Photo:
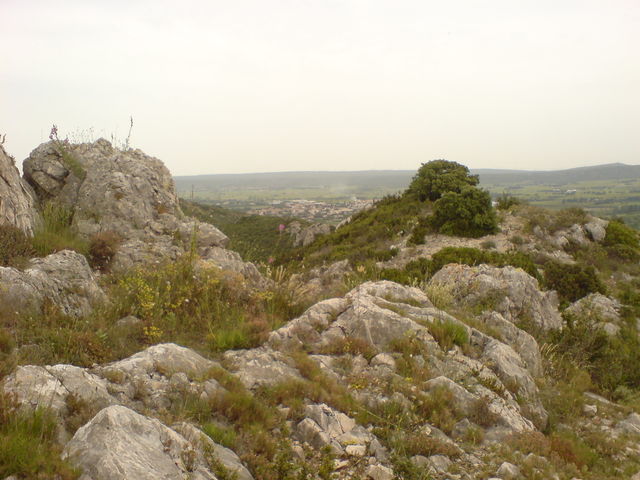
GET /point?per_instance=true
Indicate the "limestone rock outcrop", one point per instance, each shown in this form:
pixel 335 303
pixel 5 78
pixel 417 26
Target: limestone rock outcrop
pixel 17 199
pixel 303 236
pixel 64 279
pixel 120 444
pixel 129 193
pixel 509 291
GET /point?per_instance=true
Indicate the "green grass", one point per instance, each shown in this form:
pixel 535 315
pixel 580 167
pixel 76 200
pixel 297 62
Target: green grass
pixel 28 447
pixel 368 236
pixel 56 233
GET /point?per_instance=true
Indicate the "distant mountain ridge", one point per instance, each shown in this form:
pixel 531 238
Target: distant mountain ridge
pixel 609 171
pixel 400 178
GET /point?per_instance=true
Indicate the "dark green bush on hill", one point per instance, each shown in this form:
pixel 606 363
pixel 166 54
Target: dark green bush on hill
pixel 572 282
pixel 620 234
pixel 622 242
pixel 466 214
pixel 438 177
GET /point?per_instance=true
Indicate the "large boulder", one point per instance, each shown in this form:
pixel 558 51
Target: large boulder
pixel 120 444
pixel 64 279
pixel 17 200
pixel 108 188
pixel 508 290
pixel 131 194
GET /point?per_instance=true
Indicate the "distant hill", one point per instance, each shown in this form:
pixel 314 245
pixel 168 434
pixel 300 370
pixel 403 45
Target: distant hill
pixel 394 179
pixel 610 171
pixel 605 190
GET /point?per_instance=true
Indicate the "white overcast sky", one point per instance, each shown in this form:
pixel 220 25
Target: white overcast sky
pixel 262 85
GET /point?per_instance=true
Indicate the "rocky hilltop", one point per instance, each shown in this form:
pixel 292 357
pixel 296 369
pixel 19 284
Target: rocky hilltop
pixel 134 345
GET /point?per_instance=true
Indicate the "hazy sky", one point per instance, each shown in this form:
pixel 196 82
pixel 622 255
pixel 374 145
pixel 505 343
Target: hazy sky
pixel 262 85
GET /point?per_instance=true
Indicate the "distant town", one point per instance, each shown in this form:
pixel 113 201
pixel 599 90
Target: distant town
pixel 312 210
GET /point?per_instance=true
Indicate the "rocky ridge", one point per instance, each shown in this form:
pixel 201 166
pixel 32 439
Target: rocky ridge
pixel 385 381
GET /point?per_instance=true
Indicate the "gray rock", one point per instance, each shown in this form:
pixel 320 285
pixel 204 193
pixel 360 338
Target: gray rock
pixel 590 410
pixel 384 359
pixel 522 342
pixel 306 235
pixel 507 364
pixel 225 456
pixel 596 228
pixel 507 290
pixel 52 387
pixel 611 329
pixel 379 472
pixel 261 366
pixel 131 194
pixel 630 425
pixel 63 278
pixel 508 471
pixel 166 359
pixel 120 444
pixel 230 260
pixel 17 199
pixel 596 307
pixel 310 432
pixel 439 463
pixel 306 329
pixel 128 322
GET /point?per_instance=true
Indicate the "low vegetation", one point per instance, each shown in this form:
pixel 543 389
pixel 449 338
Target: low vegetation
pixel 28 446
pixel 257 238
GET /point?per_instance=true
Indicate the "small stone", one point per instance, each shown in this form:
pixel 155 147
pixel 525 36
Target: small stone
pixel 298 451
pixel 356 450
pixel 508 471
pixel 128 322
pixel 590 410
pixel 611 329
pixel 379 472
pixel 384 359
pixel 179 381
pixel 440 463
pixel 420 461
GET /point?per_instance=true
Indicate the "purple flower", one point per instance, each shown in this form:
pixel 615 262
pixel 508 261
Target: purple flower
pixel 281 227
pixel 53 135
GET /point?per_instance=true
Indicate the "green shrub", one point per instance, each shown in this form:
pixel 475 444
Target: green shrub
pixel 56 232
pixel 15 246
pixel 572 281
pixel 618 233
pixel 611 361
pixel 224 436
pixel 622 242
pixel 438 177
pixel 420 231
pixel 466 214
pixel 448 333
pixel 506 201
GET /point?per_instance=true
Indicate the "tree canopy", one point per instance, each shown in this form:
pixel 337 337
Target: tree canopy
pixel 438 177
pixel 467 213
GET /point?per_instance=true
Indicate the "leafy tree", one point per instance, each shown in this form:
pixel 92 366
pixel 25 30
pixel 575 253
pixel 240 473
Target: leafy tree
pixel 468 213
pixel 438 177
